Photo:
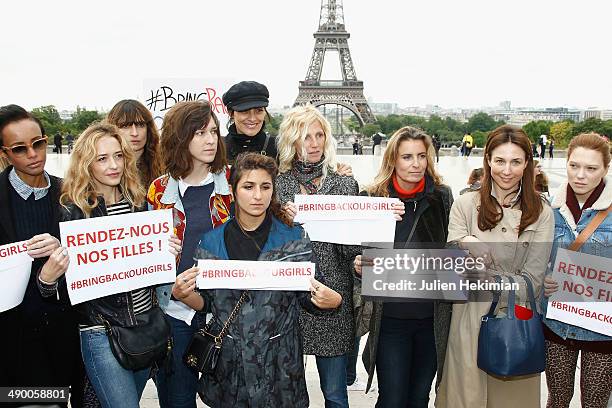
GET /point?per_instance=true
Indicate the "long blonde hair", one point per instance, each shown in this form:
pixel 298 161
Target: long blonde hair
pixel 295 127
pixel 79 188
pixel 380 186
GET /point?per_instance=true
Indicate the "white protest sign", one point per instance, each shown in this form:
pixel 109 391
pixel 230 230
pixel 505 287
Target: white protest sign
pixel 254 275
pixel 116 254
pixel 584 297
pixel 14 254
pixel 160 94
pixel 341 207
pixel 14 284
pixel 348 220
pixel 15 269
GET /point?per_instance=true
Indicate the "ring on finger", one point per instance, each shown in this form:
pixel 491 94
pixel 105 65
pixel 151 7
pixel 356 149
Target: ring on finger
pixel 65 252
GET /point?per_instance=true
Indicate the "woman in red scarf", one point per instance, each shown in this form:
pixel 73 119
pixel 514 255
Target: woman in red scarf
pixel 407 341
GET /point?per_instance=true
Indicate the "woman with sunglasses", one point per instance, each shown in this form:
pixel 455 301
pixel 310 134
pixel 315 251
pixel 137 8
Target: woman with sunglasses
pixel 39 345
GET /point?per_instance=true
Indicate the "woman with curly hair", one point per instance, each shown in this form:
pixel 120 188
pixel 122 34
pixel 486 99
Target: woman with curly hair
pixel 102 180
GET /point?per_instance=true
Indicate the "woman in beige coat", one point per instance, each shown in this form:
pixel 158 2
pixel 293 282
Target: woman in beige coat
pixel 511 227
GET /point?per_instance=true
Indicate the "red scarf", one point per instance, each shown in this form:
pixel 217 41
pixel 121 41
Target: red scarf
pixel 404 194
pixel 572 201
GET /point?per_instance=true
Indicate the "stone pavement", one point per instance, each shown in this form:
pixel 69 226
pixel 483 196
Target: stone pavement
pixel 455 171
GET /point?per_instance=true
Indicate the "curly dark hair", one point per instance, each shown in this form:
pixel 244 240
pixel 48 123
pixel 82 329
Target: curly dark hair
pixel 255 161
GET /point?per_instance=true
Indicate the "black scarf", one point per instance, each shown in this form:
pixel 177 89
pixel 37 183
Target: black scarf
pixel 238 143
pixel 306 172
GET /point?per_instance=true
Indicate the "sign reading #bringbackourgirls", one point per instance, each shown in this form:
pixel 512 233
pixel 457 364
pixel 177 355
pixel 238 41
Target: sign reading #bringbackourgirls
pixel 15 268
pixel 160 94
pixel 348 220
pixel 584 297
pixel 116 254
pixel 254 275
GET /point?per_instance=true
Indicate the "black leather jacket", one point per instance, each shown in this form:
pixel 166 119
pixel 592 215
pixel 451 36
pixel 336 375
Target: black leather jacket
pixel 117 309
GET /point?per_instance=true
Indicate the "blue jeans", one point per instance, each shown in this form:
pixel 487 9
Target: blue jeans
pixel 405 362
pixel 351 365
pixel 177 388
pixel 332 375
pixel 114 385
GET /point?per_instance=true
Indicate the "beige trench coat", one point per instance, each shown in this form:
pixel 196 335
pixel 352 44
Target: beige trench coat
pixel 463 384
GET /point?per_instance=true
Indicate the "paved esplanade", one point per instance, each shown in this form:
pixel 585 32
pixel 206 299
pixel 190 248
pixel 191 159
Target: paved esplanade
pixel 455 171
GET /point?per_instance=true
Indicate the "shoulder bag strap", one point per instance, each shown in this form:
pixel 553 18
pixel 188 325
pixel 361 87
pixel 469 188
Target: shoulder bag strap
pixel 230 319
pixel 265 146
pixel 589 229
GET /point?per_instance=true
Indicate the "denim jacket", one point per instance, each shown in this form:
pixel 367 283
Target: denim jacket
pixel 164 194
pixel 599 243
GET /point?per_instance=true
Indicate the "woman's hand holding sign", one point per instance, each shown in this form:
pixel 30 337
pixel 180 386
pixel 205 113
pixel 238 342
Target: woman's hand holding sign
pixel 550 286
pixel 42 245
pixel 360 262
pixel 55 267
pixel 175 245
pixel 322 296
pixel 184 289
pixel 398 210
pixel 290 209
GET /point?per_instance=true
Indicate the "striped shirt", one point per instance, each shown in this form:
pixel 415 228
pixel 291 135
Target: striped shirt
pixel 141 298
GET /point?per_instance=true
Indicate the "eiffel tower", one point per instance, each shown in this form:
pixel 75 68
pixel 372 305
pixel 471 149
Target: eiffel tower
pixel 332 36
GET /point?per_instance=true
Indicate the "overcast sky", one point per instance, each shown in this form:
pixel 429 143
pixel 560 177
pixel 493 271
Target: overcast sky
pixel 453 53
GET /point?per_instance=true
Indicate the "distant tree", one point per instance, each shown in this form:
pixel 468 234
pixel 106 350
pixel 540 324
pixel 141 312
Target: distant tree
pixel 81 119
pixel 50 119
pixel 352 124
pixel 594 125
pixel 536 128
pixel 480 138
pixel 483 122
pixel 273 124
pixel 562 133
pixel 370 128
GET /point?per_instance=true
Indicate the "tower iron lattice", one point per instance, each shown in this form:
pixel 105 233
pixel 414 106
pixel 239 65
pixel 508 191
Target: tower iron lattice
pixel 348 92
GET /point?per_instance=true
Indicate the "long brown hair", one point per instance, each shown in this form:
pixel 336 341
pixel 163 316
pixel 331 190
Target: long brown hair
pixel 129 111
pixel 180 124
pixel 380 186
pixel 255 161
pixel 491 212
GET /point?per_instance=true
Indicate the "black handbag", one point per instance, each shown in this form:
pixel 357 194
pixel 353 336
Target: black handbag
pixel 204 348
pixel 143 345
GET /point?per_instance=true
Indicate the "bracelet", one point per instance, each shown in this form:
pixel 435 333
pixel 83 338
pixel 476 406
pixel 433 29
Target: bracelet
pixel 46 283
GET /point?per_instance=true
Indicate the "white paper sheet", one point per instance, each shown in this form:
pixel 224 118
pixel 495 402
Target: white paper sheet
pixel 13 284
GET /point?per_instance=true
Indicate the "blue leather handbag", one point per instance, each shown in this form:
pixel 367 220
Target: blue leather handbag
pixel 508 346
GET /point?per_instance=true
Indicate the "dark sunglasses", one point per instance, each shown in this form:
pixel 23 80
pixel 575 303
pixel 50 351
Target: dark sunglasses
pixel 22 149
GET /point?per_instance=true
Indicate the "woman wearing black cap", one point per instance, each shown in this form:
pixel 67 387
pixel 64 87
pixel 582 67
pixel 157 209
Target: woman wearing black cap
pixel 246 103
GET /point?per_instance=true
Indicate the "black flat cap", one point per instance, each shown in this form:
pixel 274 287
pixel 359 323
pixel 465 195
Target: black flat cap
pixel 246 95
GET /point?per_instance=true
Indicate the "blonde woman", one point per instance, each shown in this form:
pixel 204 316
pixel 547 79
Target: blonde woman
pixel 407 341
pixel 307 159
pixel 102 180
